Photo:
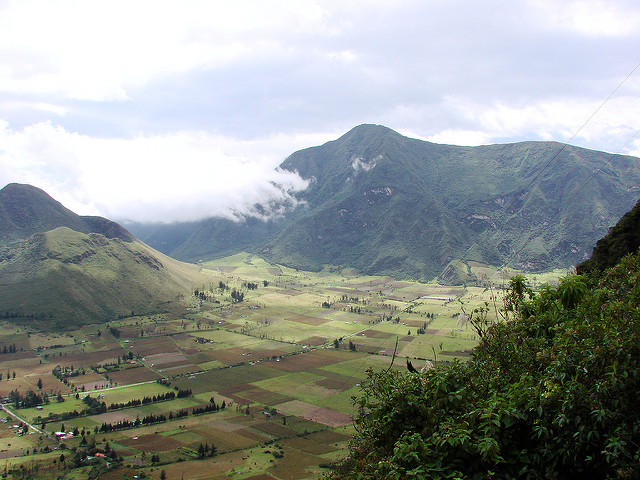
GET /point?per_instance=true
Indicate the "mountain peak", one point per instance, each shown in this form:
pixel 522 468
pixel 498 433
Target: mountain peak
pixel 25 210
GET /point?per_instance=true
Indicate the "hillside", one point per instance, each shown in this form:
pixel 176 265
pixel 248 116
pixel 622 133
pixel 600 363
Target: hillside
pixel 387 204
pixel 25 210
pixel 550 391
pixel 62 277
pixel 622 239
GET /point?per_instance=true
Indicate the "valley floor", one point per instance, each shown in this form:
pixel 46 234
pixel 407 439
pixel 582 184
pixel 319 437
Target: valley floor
pixel 253 379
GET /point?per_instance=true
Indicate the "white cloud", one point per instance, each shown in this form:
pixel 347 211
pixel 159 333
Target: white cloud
pixel 590 17
pixel 112 106
pixel 183 176
pixel 95 51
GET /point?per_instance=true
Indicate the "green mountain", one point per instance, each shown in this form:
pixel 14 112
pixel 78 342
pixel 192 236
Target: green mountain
pixel 387 204
pixel 64 270
pixel 25 210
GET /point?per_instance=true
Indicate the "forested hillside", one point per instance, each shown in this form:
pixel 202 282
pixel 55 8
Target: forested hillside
pixel 387 204
pixel 550 392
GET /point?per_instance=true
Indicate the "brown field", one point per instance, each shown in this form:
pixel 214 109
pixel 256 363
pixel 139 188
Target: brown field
pixel 133 375
pixel 262 396
pixel 314 341
pixel 371 333
pixel 294 465
pixel 205 469
pixel 146 346
pixel 303 362
pixel 333 384
pixel 322 415
pixel 152 443
pixel 328 436
pixel 457 353
pixel 20 340
pixel 115 417
pixel 226 440
pixel 85 360
pixel 180 369
pixel 88 377
pixel 274 427
pixel 232 355
pixel 290 292
pixel 308 446
pixel 223 378
pixel 307 320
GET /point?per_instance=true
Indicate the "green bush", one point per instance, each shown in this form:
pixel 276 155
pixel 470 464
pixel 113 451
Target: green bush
pixel 552 391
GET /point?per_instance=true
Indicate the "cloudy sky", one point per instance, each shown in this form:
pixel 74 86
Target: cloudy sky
pixel 164 110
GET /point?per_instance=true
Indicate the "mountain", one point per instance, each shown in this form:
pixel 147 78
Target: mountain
pixel 64 270
pixel 387 204
pixel 25 210
pixel 622 239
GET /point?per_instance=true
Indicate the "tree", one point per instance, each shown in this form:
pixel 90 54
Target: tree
pixel 163 475
pixel 550 392
pixel 39 384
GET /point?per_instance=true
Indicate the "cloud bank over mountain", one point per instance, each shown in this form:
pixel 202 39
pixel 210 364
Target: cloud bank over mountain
pixel 114 107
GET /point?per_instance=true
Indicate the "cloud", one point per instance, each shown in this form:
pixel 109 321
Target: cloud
pixel 158 90
pixel 182 176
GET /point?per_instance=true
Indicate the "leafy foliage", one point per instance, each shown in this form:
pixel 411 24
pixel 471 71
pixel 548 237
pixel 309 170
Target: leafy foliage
pixel 551 392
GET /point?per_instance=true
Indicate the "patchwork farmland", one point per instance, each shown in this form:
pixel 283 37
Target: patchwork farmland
pixel 254 379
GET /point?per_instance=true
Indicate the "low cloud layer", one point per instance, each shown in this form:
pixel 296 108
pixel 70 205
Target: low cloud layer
pixel 154 110
pixel 183 176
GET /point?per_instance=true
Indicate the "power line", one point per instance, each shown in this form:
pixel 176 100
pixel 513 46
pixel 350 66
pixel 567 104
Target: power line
pixel 546 166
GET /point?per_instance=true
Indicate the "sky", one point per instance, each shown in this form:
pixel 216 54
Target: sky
pixel 173 111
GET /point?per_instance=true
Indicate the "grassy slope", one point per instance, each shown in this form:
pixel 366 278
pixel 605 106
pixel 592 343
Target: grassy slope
pixel 66 278
pixel 418 204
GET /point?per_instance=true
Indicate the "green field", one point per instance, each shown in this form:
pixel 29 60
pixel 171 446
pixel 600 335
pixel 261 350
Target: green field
pixel 270 359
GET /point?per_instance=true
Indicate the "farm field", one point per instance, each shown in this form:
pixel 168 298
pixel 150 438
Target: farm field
pixel 253 380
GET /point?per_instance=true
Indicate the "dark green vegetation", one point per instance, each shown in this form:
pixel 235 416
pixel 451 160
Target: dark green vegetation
pixel 387 204
pixel 622 239
pixel 551 391
pixel 64 270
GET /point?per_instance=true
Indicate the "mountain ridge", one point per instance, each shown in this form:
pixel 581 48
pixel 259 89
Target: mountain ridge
pixel 386 204
pixel 54 276
pixel 25 210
